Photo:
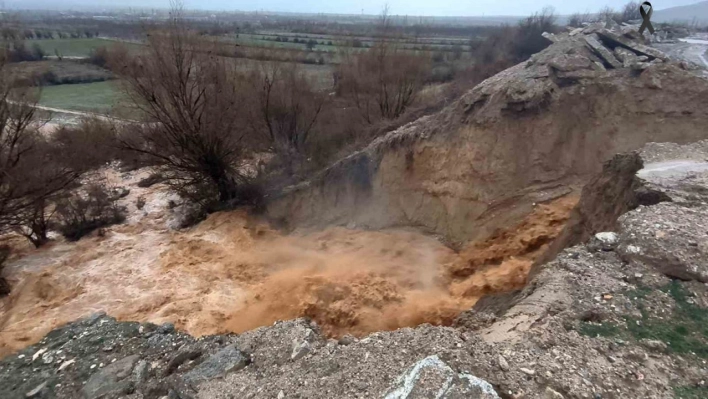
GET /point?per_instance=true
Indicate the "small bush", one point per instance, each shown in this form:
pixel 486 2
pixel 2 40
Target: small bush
pixel 92 144
pixel 91 208
pixel 99 56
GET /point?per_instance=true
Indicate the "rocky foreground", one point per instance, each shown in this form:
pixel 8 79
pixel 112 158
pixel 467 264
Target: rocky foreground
pixel 622 315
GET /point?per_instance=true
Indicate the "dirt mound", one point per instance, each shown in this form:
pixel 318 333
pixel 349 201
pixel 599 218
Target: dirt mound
pixel 529 134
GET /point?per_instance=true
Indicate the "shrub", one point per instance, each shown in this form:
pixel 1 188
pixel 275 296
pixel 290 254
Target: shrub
pixel 607 13
pixel 90 208
pixel 630 12
pixel 528 39
pixel 99 56
pixel 87 146
pixel 30 174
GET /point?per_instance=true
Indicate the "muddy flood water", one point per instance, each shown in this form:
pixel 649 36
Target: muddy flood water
pixel 232 273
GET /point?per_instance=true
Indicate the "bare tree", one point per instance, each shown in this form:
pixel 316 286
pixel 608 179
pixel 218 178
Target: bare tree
pixel 630 12
pixel 287 109
pixel 607 13
pixel 529 39
pixel 385 80
pixel 29 177
pixel 194 112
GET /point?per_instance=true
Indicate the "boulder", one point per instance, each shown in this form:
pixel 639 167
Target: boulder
pixel 661 236
pixel 433 378
pixel 572 62
pixel 627 57
pixel 602 51
pixel 227 360
pixel 616 40
pixel 112 381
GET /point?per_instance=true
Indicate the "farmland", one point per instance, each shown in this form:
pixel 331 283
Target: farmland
pixel 98 97
pixel 80 47
pixel 316 51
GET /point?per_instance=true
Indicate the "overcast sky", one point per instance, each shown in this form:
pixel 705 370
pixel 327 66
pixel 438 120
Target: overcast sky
pixel 400 7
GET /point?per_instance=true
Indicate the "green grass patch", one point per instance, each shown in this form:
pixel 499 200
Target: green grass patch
pixel 604 329
pixel 99 97
pixel 685 330
pixel 691 392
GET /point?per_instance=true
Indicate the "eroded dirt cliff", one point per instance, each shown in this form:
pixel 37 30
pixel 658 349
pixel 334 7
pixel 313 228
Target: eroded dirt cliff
pixel 532 133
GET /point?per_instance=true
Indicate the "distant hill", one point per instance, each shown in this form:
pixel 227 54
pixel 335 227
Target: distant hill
pixel 697 13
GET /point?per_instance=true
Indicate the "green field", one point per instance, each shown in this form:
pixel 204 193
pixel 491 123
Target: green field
pixel 74 47
pixel 99 97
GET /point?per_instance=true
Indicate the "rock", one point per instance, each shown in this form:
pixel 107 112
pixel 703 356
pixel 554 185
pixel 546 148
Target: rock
pixel 549 393
pixel 576 31
pixel 180 358
pixel 550 36
pixel 36 391
pixel 625 56
pixel 654 345
pixel 66 364
pixel 641 49
pixel 593 27
pixel 38 353
pixel 94 318
pixel 503 364
pixel 608 240
pixel 527 371
pixel 111 381
pixel 639 66
pixel 433 378
pixel 670 254
pixel 602 51
pixel 281 394
pixel 300 350
pixel 650 78
pixel 612 25
pixel 346 340
pixel 166 328
pixel 597 66
pixel 225 361
pixel 571 62
pixel 140 373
